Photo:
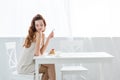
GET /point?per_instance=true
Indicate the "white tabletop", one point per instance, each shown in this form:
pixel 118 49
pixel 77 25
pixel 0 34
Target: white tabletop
pixel 76 56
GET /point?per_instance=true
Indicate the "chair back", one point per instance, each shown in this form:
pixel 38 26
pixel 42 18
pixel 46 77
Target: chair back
pixel 11 52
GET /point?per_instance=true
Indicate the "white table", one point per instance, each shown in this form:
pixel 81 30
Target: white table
pixel 81 57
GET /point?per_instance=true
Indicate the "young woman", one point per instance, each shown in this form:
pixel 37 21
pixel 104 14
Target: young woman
pixel 35 45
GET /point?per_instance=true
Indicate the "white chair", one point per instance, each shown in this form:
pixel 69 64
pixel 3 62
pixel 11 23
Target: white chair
pixel 71 71
pixel 11 52
pixel 71 45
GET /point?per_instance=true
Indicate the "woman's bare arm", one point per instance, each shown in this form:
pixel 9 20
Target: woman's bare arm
pixel 47 42
pixel 37 45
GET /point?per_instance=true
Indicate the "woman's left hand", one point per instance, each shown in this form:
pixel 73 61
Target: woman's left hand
pixel 51 35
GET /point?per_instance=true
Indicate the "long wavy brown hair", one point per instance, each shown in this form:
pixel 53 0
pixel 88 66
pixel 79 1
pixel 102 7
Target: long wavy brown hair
pixel 31 32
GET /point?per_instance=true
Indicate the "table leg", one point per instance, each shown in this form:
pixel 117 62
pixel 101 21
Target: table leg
pixel 36 71
pixel 101 71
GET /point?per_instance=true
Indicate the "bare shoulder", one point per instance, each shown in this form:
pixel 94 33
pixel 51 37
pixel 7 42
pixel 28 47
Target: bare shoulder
pixel 36 36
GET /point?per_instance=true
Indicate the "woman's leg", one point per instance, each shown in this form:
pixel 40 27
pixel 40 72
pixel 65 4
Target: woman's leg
pixel 44 71
pixel 51 71
pixel 45 76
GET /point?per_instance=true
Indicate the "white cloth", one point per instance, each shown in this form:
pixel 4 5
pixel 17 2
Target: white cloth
pixel 26 64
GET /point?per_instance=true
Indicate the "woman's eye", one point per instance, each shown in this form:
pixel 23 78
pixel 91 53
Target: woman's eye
pixel 36 25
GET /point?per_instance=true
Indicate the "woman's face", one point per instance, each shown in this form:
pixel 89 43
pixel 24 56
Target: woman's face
pixel 39 25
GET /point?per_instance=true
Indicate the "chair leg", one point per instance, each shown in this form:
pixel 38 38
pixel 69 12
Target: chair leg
pixel 62 76
pixel 34 76
pixel 82 77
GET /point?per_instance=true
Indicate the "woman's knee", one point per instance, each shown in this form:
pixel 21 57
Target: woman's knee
pixel 43 69
pixel 49 65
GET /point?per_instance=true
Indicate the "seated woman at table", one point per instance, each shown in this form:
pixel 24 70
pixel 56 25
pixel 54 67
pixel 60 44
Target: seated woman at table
pixel 34 46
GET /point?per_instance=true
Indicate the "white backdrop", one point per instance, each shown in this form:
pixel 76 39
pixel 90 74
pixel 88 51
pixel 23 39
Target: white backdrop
pixel 93 18
pixel 76 18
